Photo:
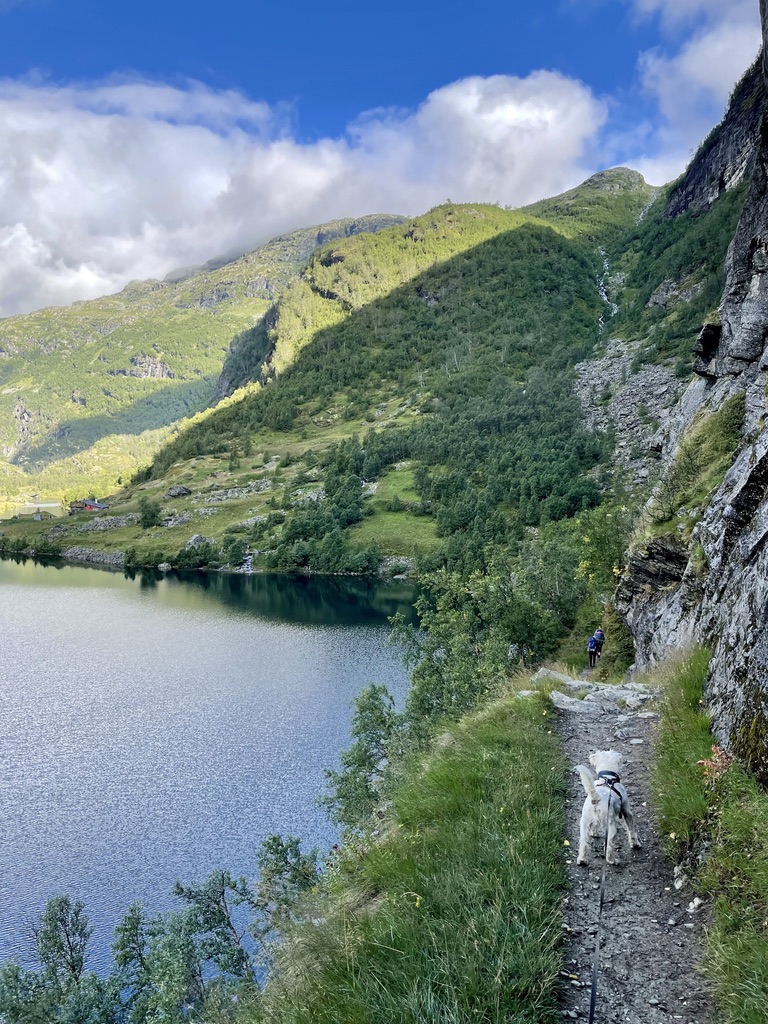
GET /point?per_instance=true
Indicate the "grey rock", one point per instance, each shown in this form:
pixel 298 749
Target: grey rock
pixel 93 556
pixel 179 519
pixel 177 491
pixel 196 540
pixel 546 675
pixel 101 523
pixel 578 707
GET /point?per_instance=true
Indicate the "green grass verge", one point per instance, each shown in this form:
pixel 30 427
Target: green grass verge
pixel 721 815
pixel 453 913
pixel 682 799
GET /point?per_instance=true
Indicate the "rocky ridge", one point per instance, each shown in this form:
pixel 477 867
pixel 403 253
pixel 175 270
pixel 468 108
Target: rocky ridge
pixel 635 403
pixel 714 590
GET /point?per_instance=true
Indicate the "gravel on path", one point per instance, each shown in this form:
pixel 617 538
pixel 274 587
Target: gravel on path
pixel 650 944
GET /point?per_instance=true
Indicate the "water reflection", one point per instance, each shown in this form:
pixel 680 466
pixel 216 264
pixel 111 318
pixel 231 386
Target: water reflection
pixel 277 597
pixel 154 728
pixel 321 600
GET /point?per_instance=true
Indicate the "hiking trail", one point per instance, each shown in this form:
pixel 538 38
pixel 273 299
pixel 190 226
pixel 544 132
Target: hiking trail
pixel 651 935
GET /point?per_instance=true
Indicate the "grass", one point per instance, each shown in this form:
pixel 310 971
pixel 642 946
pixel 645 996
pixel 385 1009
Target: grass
pixel 452 914
pixel 721 814
pixel 395 533
pixel 684 739
pixel 703 458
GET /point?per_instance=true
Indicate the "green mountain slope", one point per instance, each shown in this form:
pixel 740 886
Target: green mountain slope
pixel 430 360
pixel 87 389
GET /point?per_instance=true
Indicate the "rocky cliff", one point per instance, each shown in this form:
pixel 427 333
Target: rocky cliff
pixel 728 153
pixel 710 584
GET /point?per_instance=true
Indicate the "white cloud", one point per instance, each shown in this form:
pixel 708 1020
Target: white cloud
pixel 679 12
pixel 107 182
pixel 707 46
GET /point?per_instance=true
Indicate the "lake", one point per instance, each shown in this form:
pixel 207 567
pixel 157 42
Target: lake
pixel 155 728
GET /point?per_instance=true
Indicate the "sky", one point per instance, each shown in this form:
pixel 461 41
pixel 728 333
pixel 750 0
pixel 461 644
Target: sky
pixel 138 138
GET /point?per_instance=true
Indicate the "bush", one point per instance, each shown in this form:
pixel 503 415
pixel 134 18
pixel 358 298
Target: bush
pixel 149 512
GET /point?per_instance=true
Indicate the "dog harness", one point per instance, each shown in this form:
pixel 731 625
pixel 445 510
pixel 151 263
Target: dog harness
pixel 611 780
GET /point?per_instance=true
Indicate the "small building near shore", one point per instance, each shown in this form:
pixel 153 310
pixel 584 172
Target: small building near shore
pixel 87 505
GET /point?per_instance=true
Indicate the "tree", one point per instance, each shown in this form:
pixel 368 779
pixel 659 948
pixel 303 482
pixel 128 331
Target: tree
pixel 356 789
pixel 285 873
pixel 211 908
pixel 149 512
pixel 62 935
pixel 61 991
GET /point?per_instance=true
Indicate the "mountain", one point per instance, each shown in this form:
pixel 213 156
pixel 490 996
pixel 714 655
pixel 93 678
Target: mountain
pixel 447 343
pixel 88 391
pixel 553 417
pixel 475 388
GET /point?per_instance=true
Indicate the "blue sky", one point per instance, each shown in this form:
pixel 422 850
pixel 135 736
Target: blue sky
pixel 136 138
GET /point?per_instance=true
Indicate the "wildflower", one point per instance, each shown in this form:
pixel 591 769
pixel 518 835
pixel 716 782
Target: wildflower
pixel 716 766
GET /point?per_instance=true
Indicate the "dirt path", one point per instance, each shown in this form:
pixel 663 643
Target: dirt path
pixel 650 942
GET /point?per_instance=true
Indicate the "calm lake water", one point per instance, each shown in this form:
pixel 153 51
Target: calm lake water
pixel 156 728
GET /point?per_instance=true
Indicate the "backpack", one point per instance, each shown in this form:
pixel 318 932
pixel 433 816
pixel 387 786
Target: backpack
pixel 591 644
pixel 599 636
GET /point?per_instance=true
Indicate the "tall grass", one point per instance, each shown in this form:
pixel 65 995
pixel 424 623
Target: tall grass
pixel 682 798
pixel 720 812
pixel 452 914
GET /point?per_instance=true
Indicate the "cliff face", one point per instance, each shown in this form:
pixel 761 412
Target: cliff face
pixel 727 155
pixel 714 589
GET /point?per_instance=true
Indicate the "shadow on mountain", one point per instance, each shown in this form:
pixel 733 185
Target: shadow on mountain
pixel 524 298
pixel 162 408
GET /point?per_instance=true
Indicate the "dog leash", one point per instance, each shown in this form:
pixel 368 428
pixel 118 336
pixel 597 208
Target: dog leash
pixel 596 962
pixel 610 780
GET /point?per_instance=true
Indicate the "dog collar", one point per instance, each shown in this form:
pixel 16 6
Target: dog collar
pixel 609 778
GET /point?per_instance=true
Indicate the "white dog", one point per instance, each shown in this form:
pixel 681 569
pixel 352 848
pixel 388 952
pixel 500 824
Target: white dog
pixel 607 803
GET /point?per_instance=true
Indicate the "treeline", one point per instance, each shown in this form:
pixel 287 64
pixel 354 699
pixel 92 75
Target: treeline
pixel 195 963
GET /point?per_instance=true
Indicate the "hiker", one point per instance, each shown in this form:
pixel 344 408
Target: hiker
pixel 599 640
pixel 592 651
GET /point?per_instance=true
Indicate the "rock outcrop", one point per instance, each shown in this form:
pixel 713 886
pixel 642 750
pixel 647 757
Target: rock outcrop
pixel 94 556
pixel 714 591
pixel 144 366
pixel 727 155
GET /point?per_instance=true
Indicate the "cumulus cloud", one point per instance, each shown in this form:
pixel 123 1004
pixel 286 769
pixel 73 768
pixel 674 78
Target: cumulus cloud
pixel 103 183
pixel 706 48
